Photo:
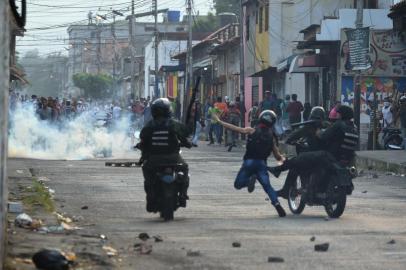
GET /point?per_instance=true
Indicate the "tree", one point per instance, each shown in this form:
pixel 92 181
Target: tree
pixel 205 24
pixel 227 6
pixel 95 86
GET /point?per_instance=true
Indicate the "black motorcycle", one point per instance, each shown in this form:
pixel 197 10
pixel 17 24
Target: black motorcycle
pixel 319 187
pixel 167 187
pixel 392 139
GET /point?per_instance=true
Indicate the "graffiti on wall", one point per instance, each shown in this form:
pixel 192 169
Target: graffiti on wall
pixel 387 54
pixel 385 87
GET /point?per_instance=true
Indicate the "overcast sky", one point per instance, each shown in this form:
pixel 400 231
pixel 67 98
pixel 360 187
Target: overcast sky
pixel 47 19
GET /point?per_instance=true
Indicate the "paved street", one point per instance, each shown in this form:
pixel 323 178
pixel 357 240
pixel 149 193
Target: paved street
pixel 218 215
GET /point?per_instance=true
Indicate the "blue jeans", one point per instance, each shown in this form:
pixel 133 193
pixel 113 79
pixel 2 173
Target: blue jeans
pixel 259 168
pixel 218 131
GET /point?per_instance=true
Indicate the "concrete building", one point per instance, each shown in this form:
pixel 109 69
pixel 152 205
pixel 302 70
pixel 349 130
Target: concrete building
pixel 105 48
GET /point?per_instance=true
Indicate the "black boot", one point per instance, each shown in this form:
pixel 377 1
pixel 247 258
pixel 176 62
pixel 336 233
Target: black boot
pixel 277 170
pixel 280 210
pixel 251 183
pixel 284 193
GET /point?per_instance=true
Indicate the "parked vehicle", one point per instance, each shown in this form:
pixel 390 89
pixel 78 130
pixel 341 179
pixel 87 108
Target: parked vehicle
pixel 392 139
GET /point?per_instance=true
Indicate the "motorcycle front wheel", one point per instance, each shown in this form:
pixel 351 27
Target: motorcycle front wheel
pixel 335 205
pixel 295 198
pixel 393 142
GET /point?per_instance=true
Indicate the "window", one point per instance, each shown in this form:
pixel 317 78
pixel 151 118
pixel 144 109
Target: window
pixel 261 10
pixel 266 18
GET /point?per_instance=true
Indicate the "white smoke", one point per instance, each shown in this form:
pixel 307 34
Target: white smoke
pixel 76 139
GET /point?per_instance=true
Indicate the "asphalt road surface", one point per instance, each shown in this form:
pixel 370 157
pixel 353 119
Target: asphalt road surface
pixel 218 215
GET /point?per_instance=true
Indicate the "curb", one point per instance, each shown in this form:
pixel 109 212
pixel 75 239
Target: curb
pixel 362 162
pixel 380 165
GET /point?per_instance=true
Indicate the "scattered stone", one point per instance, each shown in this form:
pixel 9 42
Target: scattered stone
pixel 365 191
pixel 85 207
pixel 313 238
pixel 158 238
pixel 236 244
pixel 103 237
pixel 145 249
pixel 321 247
pixel 375 176
pixel 402 175
pixel 78 218
pixel 391 242
pixel 370 168
pixel 47 259
pixel 110 251
pixel 143 236
pixel 266 199
pixel 276 260
pixel 326 219
pixel 193 253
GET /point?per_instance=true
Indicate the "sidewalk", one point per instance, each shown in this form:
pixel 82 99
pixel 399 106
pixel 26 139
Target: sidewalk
pixel 386 161
pixel 383 160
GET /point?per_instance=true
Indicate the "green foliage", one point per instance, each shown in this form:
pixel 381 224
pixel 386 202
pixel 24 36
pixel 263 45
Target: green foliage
pixel 227 6
pixel 94 85
pixel 206 24
pixel 38 194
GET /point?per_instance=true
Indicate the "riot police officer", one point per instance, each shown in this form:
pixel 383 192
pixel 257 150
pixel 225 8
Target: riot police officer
pixel 160 142
pixel 308 133
pixel 261 143
pixel 340 140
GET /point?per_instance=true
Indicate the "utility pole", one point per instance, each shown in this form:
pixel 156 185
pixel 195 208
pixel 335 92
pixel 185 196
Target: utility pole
pixel 189 61
pixel 132 50
pixel 357 92
pixel 113 34
pixel 156 45
pixel 4 87
pixel 242 64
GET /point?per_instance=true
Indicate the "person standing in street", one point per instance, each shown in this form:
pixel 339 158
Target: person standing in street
pixel 387 114
pixel 207 121
pixel 253 115
pixel 295 109
pixel 222 108
pixel 260 144
pixel 197 116
pixel 402 116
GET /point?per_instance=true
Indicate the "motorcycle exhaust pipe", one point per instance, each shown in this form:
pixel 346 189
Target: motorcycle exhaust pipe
pixel 353 171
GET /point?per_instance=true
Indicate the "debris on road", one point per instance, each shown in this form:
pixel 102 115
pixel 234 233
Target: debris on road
pixel 365 191
pixel 326 219
pixel 322 247
pixel 276 260
pixel 158 238
pixel 110 251
pixel 143 248
pixel 15 207
pixel 375 176
pixel 85 207
pixel 62 218
pixel 143 236
pixel 391 242
pixel 23 221
pixel 47 259
pixel 193 253
pixel 236 244
pixel 313 238
pixel 103 237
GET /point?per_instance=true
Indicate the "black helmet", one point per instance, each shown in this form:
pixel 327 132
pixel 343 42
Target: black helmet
pixel 318 113
pixel 402 99
pixel 161 107
pixel 267 118
pixel 346 112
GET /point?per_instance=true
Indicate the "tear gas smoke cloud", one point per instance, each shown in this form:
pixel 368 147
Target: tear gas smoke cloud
pixel 75 139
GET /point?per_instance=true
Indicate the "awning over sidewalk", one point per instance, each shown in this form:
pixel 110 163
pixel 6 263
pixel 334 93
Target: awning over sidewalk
pixel 296 66
pixel 285 64
pixel 264 72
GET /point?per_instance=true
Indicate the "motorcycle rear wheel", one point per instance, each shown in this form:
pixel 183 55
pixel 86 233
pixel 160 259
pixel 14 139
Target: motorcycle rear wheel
pixel 168 203
pixel 335 207
pixel 395 140
pixel 295 199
